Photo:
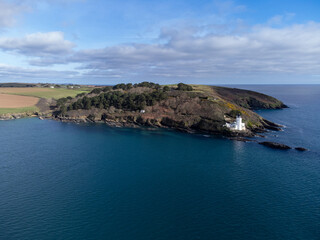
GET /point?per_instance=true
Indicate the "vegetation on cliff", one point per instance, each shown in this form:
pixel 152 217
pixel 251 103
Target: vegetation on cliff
pixel 249 99
pixel 182 106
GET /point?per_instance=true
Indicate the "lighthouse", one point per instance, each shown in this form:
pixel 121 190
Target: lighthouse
pixel 239 125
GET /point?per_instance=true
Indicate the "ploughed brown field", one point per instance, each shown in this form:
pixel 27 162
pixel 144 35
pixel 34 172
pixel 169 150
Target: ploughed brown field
pixel 16 101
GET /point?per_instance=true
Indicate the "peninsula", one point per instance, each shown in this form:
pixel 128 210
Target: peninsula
pixel 190 108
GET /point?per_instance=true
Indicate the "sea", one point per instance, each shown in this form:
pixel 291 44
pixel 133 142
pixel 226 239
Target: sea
pixel 90 181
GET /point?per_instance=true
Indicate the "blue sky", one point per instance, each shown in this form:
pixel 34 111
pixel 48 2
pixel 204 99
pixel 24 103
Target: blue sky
pixel 209 42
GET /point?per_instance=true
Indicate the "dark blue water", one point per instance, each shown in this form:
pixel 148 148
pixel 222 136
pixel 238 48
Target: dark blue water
pixel 68 181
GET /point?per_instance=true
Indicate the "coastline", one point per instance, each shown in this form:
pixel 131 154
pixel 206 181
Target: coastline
pixel 242 136
pixel 13 116
pixel 191 109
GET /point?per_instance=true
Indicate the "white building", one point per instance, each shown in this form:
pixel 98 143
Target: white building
pixel 238 125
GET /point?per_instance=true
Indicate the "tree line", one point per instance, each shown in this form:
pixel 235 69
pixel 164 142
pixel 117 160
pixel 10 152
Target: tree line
pixel 109 96
pixel 128 86
pixel 117 99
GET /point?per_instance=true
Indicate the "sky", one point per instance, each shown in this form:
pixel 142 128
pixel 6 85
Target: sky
pixel 191 41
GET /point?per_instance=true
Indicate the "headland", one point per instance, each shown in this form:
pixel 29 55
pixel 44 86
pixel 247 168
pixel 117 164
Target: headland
pixel 189 108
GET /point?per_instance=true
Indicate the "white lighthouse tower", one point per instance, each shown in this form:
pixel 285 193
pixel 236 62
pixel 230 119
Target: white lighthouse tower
pixel 239 124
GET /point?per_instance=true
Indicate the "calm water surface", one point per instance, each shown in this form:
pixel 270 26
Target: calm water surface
pixel 68 181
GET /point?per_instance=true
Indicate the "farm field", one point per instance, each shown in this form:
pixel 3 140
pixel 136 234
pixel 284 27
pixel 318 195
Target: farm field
pixel 22 100
pixel 13 101
pixel 43 92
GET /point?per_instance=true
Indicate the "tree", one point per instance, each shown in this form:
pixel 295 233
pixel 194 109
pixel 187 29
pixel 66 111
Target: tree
pixel 86 103
pixel 184 87
pixel 106 89
pixel 148 85
pixel 63 110
pixel 166 89
pixel 96 90
pixel 61 101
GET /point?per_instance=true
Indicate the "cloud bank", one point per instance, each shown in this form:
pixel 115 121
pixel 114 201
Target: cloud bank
pixel 203 53
pixel 38 44
pixel 261 50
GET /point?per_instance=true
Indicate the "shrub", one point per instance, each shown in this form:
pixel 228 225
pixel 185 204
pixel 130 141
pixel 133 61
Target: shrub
pixel 106 89
pixel 80 95
pixel 148 85
pixel 184 87
pixel 61 101
pixel 96 90
pixel 234 113
pixel 166 89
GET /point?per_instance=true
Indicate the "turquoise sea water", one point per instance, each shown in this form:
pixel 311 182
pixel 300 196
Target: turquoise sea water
pixel 68 181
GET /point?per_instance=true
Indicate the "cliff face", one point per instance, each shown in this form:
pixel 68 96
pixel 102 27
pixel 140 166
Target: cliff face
pixel 204 109
pixel 12 116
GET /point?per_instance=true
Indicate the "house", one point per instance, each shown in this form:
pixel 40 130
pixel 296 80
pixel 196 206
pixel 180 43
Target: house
pixel 142 111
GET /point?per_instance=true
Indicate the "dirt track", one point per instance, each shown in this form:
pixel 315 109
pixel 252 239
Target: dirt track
pixel 15 101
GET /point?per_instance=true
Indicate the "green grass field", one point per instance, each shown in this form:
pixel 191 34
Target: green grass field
pixel 57 93
pixel 19 110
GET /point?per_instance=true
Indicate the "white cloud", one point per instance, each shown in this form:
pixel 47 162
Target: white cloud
pixel 38 44
pixel 13 73
pixel 9 11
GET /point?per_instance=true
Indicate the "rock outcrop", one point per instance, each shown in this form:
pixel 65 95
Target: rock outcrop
pixel 12 116
pixel 275 145
pixel 301 149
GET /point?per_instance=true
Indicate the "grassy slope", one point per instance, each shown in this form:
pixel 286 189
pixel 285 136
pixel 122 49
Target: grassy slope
pixel 248 99
pixel 18 110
